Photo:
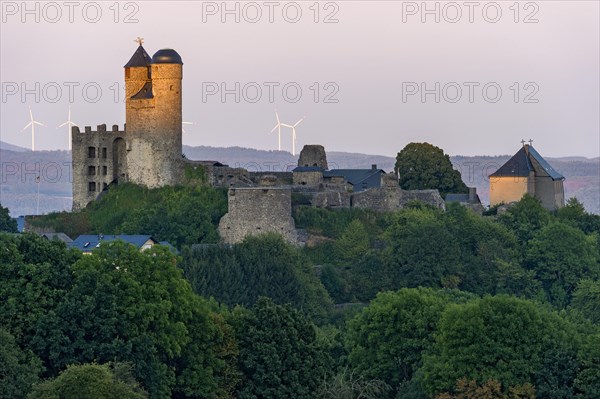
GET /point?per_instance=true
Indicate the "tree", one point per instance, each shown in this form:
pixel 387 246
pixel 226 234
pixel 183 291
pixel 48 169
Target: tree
pixel 586 299
pixel 387 339
pixel 491 389
pixel 411 259
pixel 259 266
pixel 425 166
pixel 500 338
pixel 354 242
pixel 19 369
pixel 133 306
pixel 560 256
pixel 90 381
pixel 525 218
pixel 279 353
pixel 7 224
pixel 574 214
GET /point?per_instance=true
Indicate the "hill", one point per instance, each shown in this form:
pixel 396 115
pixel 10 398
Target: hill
pixel 18 190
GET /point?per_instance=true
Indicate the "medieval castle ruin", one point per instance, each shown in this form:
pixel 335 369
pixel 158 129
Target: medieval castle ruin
pixel 148 152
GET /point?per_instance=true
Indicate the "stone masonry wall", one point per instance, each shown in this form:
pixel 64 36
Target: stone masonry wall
pixel 254 211
pixel 93 162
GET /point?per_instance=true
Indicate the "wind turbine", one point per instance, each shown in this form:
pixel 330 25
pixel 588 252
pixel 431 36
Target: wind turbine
pixel 278 127
pixel 32 123
pixel 185 123
pixel 69 123
pixel 294 137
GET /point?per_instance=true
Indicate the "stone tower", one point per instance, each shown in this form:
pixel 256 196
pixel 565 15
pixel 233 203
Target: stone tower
pixel 148 151
pixel 313 156
pixel 153 118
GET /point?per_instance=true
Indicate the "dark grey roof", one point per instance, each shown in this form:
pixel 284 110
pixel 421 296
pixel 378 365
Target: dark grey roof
pixel 361 179
pixel 88 242
pixel 57 236
pixel 520 165
pixel 139 59
pixel 166 56
pixel 545 165
pixel 145 92
pixel 307 169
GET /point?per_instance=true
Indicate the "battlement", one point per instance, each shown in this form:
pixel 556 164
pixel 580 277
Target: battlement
pixel 99 129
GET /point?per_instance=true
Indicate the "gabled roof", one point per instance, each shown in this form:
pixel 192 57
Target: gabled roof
pixel 57 236
pixel 88 242
pixel 360 178
pixel 545 165
pixel 520 165
pixel 139 59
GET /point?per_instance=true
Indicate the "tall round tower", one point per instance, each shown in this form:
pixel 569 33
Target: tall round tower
pixel 153 121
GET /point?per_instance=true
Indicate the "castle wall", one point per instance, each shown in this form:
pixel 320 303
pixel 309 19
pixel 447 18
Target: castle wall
pixel 549 192
pixel 308 178
pixel 95 162
pixel 508 189
pixel 254 211
pixel 394 198
pixel 313 155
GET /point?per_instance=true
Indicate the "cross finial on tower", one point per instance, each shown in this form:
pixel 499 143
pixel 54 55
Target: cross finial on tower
pixel 523 142
pixel 530 142
pixel 139 40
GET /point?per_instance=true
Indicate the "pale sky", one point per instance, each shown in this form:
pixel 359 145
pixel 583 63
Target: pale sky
pixel 373 60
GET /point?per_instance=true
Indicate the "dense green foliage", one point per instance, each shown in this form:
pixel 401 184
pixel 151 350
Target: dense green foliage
pixel 19 369
pixel 429 304
pixel 280 356
pixel 90 381
pixel 181 215
pixel 7 224
pixel 425 166
pixel 260 266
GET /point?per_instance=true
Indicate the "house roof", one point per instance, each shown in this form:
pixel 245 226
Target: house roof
pixel 88 242
pixel 357 177
pixel 520 165
pixel 57 236
pixel 457 197
pixel 139 59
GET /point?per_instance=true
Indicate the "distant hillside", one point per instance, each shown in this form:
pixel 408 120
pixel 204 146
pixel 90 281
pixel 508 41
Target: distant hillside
pixel 18 189
pixel 11 147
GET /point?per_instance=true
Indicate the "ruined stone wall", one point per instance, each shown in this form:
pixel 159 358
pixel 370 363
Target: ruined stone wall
pixel 313 155
pixel 308 178
pixel 96 158
pixel 394 198
pixel 254 211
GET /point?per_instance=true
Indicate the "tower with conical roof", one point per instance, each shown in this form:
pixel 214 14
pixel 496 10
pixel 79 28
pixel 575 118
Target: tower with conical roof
pixel 153 118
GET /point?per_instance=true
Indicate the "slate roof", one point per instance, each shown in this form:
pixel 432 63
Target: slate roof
pixel 139 59
pixel 57 236
pixel 88 242
pixel 520 165
pixel 361 179
pixel 145 92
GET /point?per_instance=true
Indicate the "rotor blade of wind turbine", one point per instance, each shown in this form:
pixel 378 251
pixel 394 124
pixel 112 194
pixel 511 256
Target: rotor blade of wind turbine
pixel 286 125
pixel 30 114
pixel 277 116
pixel 63 124
pixel 276 126
pixel 29 124
pixel 38 123
pixel 297 123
